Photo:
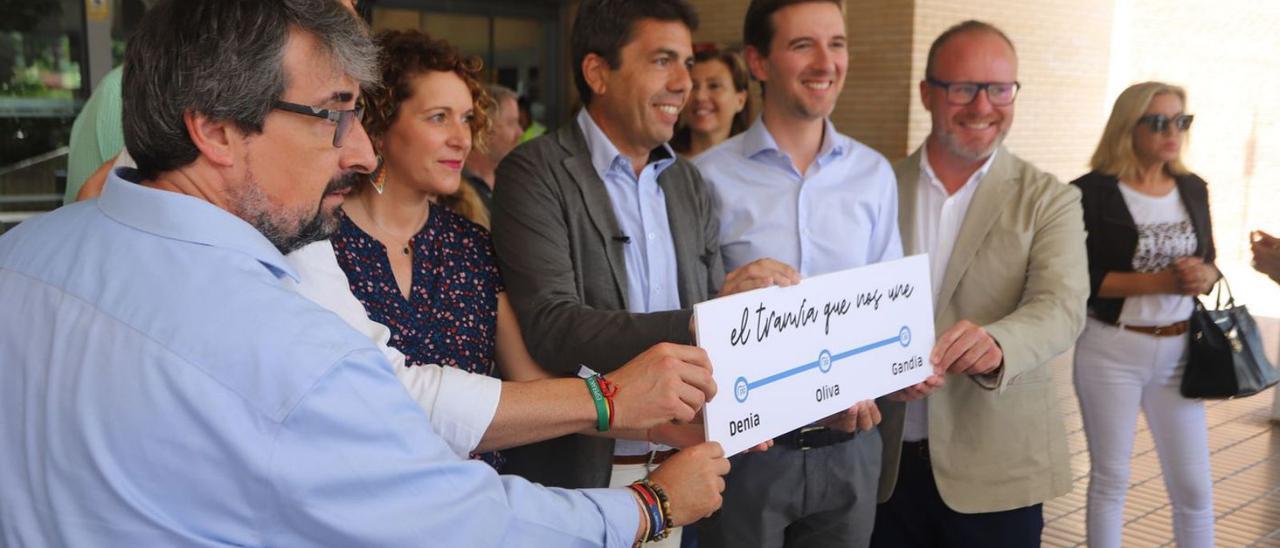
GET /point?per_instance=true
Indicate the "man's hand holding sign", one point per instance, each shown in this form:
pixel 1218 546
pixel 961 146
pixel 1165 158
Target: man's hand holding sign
pixel 818 351
pixel 964 349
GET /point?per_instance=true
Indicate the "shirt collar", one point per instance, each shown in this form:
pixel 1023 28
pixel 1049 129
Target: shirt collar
pixel 186 218
pixel 605 157
pixel 758 142
pixel 927 170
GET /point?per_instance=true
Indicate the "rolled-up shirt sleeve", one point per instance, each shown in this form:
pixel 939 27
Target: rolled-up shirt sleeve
pixel 353 464
pixel 460 405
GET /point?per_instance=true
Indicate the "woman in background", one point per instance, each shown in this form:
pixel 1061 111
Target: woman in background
pixel 719 106
pixel 1150 246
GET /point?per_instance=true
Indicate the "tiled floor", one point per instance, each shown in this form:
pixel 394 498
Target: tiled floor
pixel 1245 454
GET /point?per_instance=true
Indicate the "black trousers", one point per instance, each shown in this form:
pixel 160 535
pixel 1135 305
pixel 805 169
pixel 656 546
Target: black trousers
pixel 916 517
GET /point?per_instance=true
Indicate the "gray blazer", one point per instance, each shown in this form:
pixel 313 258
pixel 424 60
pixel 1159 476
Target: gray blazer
pixel 556 233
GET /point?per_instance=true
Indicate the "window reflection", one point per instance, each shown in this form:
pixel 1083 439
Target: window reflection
pixel 42 84
pixel 514 48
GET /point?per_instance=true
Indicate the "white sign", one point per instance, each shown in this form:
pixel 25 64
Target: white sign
pixel 784 357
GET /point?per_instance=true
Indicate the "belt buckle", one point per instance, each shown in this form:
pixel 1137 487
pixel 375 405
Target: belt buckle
pixel 800 436
pixel 1157 330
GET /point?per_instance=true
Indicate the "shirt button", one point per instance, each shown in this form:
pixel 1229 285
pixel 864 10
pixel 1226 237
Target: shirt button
pixel 652 235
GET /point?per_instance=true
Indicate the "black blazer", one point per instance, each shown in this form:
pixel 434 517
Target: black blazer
pixel 1113 235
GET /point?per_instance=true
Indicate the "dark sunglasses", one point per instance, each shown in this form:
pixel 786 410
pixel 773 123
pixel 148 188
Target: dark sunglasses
pixel 1159 123
pixel 343 119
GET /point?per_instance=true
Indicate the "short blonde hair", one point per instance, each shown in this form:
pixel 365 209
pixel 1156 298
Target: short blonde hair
pixel 1115 155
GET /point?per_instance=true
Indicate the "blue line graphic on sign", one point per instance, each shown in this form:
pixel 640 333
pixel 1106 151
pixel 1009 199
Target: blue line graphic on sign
pixel 741 386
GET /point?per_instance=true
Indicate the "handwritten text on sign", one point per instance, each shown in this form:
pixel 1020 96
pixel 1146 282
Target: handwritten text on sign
pixel 785 357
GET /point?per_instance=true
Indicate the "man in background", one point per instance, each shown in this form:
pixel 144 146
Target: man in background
pixel 502 137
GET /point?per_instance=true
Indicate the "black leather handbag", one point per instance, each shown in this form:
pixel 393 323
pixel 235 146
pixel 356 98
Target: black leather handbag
pixel 1226 357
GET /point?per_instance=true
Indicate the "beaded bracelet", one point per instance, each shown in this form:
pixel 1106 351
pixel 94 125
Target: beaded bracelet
pixel 657 509
pixel 664 504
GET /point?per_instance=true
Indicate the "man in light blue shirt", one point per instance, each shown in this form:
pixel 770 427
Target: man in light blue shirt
pixel 161 384
pixel 792 188
pixel 641 209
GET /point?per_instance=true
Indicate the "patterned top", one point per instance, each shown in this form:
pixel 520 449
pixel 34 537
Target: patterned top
pixel 451 315
pixel 1165 233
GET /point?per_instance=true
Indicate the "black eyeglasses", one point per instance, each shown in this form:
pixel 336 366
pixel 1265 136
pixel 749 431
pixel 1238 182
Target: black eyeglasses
pixel 1000 94
pixel 342 118
pixel 1159 123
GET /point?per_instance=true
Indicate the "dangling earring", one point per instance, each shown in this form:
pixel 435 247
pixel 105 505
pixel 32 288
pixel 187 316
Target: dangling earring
pixel 379 176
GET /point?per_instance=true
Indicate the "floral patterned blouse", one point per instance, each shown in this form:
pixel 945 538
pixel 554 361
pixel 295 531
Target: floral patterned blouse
pixel 450 317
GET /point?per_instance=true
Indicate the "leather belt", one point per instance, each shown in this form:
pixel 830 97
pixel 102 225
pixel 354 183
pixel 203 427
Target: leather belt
pixel 652 457
pixel 918 449
pixel 1171 330
pixel 813 437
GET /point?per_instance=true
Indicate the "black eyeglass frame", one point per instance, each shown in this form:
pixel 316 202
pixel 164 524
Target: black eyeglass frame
pixel 978 86
pixel 341 118
pixel 1159 123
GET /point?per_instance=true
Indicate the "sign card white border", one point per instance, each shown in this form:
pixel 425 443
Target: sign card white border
pixel 784 357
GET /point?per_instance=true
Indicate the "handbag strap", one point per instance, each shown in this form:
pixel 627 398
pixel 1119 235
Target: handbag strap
pixel 1218 287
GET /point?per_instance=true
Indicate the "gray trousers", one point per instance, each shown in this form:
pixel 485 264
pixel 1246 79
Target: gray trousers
pixel 791 498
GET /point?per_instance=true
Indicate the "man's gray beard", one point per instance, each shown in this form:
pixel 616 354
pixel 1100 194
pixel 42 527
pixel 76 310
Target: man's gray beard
pixel 949 140
pixel 288 231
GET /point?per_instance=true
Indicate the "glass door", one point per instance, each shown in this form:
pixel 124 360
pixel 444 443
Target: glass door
pixel 516 40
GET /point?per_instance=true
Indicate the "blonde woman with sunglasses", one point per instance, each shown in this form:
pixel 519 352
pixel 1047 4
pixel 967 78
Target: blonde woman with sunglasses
pixel 1151 252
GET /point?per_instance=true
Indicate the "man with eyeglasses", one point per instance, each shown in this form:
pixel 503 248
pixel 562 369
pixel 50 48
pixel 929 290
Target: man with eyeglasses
pixel 161 382
pixel 970 462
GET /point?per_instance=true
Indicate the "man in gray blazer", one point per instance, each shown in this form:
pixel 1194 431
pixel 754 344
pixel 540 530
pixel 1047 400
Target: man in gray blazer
pixel 605 238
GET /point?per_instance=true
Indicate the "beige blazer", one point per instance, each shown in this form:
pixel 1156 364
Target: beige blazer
pixel 1019 270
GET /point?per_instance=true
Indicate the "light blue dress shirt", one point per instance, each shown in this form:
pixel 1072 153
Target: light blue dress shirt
pixel 641 209
pixel 160 385
pixel 842 213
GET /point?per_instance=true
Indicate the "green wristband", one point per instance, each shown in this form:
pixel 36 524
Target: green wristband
pixel 602 408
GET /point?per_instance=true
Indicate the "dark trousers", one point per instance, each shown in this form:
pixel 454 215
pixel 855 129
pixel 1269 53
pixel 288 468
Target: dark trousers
pixel 822 497
pixel 916 517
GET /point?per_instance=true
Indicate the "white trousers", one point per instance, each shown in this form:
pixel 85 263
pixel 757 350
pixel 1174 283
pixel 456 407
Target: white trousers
pixel 627 474
pixel 1117 372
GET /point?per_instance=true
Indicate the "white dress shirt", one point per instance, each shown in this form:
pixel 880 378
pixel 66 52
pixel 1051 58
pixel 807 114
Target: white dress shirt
pixel 939 216
pixel 461 405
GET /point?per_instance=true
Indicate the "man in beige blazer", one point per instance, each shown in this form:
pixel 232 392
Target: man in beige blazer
pixel 971 463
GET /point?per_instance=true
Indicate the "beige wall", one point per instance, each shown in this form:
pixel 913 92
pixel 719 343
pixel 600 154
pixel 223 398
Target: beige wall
pixel 874 103
pixel 1063 69
pixel 1227 54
